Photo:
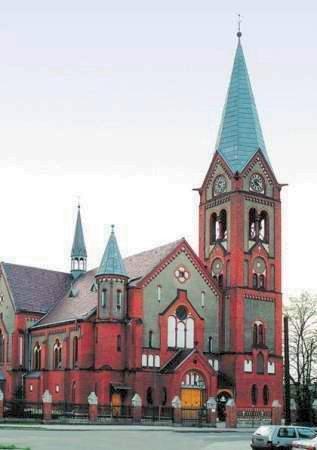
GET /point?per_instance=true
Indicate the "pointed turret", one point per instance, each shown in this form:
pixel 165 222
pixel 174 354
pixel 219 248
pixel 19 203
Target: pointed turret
pixel 79 252
pixel 240 135
pixel 112 280
pixel 112 263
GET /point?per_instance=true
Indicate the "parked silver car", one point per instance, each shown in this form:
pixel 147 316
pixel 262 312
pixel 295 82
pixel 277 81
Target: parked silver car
pixel 305 445
pixel 279 436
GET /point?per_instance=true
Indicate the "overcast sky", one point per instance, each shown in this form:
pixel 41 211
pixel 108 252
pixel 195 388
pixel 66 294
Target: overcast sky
pixel 119 102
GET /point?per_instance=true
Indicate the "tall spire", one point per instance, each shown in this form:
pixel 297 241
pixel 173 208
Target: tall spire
pixel 112 263
pixel 79 252
pixel 240 135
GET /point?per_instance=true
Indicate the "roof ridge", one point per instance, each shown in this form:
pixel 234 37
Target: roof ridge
pixel 154 248
pixel 33 267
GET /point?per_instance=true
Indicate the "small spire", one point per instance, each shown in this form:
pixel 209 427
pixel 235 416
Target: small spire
pixel 79 247
pixel 112 262
pixel 239 34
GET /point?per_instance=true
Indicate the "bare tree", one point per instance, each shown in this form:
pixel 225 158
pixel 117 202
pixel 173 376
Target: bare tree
pixel 302 312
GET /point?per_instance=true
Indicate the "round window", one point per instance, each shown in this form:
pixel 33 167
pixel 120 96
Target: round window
pixel 181 313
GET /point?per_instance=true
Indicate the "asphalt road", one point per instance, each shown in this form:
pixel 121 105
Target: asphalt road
pixel 124 440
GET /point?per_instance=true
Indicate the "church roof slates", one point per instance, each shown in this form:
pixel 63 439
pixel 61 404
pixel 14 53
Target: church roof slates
pixel 240 135
pixel 34 289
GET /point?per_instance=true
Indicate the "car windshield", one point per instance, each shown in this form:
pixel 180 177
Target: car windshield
pixel 306 433
pixel 264 430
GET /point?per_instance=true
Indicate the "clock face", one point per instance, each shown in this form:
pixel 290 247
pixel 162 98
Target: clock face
pixel 220 185
pixel 257 183
pixel 217 266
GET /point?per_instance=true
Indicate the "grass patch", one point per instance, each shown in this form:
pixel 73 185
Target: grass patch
pixel 12 447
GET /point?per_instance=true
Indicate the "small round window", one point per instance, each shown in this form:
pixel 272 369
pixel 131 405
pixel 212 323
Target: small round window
pixel 181 313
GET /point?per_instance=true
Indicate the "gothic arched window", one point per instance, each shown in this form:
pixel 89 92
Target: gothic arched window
pixel 37 357
pixel 252 224
pixel 180 329
pixel 254 394
pixel 266 395
pixel 57 351
pixel 258 334
pixel 213 228
pixel 222 225
pixel 150 338
pixel 264 226
pixel 149 396
pixel 75 351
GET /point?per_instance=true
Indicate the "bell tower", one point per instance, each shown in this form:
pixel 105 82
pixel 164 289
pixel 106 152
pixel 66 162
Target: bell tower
pixel 240 243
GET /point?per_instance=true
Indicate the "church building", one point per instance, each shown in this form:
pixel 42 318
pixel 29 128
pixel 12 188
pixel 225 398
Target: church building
pixel 166 322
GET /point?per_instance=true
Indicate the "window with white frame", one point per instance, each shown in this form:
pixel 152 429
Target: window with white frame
pixel 144 360
pixel 271 367
pixel 119 300
pixel 157 361
pixel 180 329
pixel 104 298
pixel 159 293
pixel 248 365
pixel 21 347
pixel 150 360
pixel 203 297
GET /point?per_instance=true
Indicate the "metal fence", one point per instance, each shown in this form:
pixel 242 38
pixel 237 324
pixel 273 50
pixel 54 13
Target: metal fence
pixel 69 412
pixel 109 413
pixel 23 410
pixel 194 416
pixel 157 414
pixel 254 417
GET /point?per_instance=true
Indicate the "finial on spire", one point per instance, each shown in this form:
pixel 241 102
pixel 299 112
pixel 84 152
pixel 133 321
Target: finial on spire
pixel 78 201
pixel 112 228
pixel 239 34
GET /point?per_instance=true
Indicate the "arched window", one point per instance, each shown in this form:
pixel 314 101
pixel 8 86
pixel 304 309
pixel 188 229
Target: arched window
pixel 150 338
pixel 210 344
pixel 181 335
pixel 104 298
pixel 254 394
pixel 261 281
pixel 37 357
pixel 76 264
pixel 258 334
pixel 151 361
pixel 81 264
pixel 190 333
pixel 264 227
pixel 157 361
pixel 118 343
pixel 213 228
pixel 57 361
pixel 255 281
pixel 193 378
pixel 181 329
pixel 220 280
pixel 252 224
pixel 2 347
pixel 149 396
pixel 266 395
pixel 164 396
pixel 119 300
pixel 75 351
pixel 260 363
pixel 223 225
pixel 171 329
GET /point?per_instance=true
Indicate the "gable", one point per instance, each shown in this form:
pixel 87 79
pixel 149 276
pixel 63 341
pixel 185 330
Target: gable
pixel 170 282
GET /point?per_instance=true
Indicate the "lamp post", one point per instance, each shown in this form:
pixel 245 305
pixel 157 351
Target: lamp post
pixel 286 373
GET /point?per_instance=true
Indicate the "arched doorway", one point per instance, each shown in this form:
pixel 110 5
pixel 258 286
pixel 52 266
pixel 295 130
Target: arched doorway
pixel 193 390
pixel 222 398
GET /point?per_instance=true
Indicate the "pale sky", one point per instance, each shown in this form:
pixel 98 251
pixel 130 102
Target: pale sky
pixel 119 102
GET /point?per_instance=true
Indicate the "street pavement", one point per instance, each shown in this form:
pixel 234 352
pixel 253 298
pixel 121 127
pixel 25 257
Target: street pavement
pixel 133 439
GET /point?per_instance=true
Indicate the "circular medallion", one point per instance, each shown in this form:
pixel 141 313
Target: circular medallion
pixel 182 274
pixel 220 185
pixel 217 266
pixel 257 183
pixel 259 265
pixel 181 313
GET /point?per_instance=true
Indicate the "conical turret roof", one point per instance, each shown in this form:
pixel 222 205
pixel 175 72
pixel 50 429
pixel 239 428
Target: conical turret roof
pixel 112 263
pixel 240 134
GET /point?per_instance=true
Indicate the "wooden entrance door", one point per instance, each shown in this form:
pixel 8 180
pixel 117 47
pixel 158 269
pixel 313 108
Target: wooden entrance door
pixel 191 398
pixel 116 404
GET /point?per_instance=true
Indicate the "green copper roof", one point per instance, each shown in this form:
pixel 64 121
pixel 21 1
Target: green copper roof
pixel 240 135
pixel 79 247
pixel 112 263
